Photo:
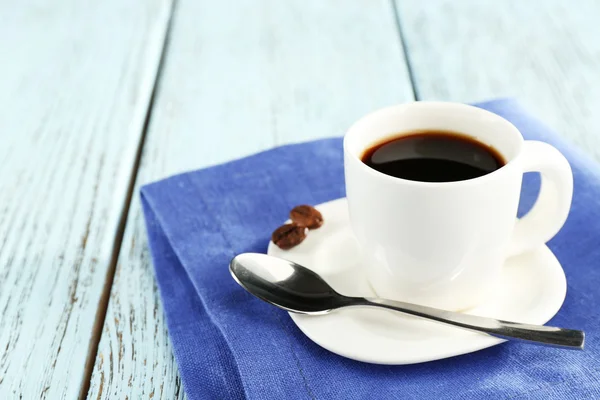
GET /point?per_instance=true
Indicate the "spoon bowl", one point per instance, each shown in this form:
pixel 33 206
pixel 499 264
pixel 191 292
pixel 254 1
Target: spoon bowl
pixel 285 284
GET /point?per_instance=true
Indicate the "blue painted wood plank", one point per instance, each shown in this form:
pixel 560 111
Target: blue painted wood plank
pixel 75 83
pixel 546 54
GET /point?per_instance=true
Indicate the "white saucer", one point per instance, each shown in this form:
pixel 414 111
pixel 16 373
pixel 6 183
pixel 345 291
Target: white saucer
pixel 532 290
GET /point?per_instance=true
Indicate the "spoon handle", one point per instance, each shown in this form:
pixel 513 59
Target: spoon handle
pixel 537 334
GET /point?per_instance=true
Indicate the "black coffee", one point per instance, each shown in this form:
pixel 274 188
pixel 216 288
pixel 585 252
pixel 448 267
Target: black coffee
pixel 433 156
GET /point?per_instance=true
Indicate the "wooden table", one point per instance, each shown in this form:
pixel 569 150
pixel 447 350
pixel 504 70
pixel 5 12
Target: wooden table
pixel 98 98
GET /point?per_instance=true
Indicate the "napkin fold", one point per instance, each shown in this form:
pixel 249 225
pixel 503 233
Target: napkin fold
pixel 230 345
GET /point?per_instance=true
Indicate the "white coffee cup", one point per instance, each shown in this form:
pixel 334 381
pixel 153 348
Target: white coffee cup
pixel 444 244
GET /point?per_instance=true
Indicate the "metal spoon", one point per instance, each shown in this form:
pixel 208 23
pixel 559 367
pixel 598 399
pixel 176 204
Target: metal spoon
pixel 297 289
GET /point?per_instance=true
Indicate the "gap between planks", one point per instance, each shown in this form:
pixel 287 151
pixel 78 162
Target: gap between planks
pixel 403 44
pixel 110 274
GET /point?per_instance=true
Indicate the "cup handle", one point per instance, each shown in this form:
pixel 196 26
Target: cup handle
pixel 552 206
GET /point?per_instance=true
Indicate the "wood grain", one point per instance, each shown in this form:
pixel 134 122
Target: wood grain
pixel 75 87
pixel 239 77
pixel 546 54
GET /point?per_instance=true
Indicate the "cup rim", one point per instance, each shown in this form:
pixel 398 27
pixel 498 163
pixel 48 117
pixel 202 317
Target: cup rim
pixel 467 182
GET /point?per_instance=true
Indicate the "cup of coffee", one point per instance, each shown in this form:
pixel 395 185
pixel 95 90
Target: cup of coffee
pixel 433 190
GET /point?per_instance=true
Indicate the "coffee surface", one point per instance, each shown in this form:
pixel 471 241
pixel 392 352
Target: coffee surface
pixel 433 156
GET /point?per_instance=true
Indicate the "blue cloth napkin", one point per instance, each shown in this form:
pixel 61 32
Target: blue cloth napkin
pixel 230 345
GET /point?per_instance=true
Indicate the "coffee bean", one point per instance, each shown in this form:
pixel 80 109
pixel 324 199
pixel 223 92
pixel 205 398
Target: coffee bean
pixel 306 216
pixel 288 236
